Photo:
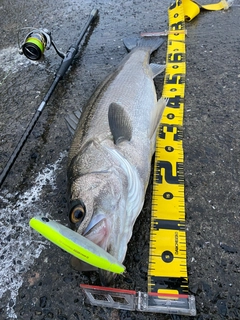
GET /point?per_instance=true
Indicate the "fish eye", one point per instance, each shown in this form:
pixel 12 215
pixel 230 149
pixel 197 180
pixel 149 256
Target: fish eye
pixel 77 214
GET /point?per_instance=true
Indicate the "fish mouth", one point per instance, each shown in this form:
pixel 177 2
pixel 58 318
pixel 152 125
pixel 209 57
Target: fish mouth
pixel 98 231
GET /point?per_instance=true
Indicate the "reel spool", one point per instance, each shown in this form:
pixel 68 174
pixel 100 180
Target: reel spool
pixel 36 42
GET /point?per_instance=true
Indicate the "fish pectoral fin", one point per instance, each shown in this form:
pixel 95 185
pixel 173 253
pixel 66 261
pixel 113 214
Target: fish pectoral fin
pixel 72 120
pixel 157 69
pixel 119 123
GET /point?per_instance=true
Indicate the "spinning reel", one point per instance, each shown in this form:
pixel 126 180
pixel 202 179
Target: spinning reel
pixel 36 42
pixel 33 47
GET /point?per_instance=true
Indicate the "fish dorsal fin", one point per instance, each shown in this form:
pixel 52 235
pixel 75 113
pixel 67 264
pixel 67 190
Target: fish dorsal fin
pixel 157 68
pixel 119 123
pixel 72 120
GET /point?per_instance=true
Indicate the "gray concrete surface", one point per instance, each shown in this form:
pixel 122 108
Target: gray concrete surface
pixel 36 279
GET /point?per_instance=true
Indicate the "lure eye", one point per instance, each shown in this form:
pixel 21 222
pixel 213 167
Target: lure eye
pixel 77 214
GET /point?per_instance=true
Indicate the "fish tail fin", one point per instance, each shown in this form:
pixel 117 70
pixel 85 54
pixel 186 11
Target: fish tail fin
pixel 153 43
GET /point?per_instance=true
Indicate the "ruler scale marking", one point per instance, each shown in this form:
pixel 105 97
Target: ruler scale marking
pixel 167 253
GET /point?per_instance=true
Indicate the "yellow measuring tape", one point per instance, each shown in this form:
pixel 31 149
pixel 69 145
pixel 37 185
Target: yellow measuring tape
pixel 167 273
pixel 192 8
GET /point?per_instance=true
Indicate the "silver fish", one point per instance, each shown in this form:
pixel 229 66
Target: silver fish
pixel 110 156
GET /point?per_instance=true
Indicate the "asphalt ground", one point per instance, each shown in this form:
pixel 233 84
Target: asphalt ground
pixel 37 281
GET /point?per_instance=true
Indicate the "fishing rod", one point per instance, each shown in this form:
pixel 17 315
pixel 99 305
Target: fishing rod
pixel 33 48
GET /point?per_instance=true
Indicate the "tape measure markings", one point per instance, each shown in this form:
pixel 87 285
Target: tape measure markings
pixel 167 271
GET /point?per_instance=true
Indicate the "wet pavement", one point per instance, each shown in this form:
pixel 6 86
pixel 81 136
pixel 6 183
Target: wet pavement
pixel 36 280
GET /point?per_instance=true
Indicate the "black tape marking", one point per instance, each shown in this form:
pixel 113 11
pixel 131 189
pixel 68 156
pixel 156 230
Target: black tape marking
pixel 180 284
pixel 175 4
pixel 175 102
pixel 177 78
pixel 169 177
pixel 167 256
pixel 176 57
pixel 168 224
pixel 178 136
